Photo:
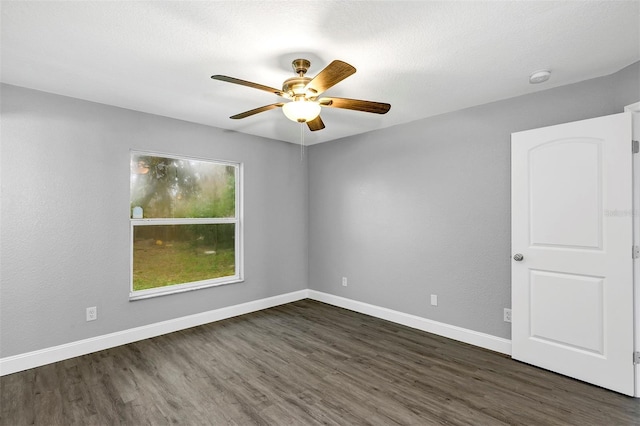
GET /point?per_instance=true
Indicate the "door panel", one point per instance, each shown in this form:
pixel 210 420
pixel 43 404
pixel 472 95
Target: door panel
pixel 580 224
pixel 572 293
pixel 553 302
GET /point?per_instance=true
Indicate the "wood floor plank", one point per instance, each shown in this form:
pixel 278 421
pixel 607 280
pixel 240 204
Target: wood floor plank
pixel 304 363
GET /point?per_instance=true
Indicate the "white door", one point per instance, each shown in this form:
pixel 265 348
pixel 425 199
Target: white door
pixel 572 291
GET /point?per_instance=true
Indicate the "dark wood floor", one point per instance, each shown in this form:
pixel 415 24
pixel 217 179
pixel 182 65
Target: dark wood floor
pixel 304 363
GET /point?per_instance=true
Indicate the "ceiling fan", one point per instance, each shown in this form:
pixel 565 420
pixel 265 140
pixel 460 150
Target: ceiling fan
pixel 303 93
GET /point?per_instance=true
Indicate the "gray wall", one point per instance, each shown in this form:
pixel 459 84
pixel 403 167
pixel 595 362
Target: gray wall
pixel 424 208
pixel 65 217
pixel 403 212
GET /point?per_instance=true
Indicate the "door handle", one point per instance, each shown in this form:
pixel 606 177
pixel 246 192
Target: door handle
pixel 518 257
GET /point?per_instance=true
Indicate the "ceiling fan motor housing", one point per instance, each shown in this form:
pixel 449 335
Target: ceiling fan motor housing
pixel 294 86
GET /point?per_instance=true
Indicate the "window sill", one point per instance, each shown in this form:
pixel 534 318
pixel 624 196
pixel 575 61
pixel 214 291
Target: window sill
pixel 165 291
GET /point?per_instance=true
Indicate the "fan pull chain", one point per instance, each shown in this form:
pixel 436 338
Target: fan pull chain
pixel 301 141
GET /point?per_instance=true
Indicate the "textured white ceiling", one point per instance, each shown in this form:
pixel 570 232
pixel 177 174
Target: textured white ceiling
pixel 424 58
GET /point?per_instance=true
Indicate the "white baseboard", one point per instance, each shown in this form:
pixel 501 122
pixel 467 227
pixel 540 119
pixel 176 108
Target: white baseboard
pixel 483 340
pixel 28 360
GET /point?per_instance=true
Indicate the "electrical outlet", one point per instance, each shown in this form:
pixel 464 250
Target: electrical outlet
pixel 92 313
pixel 507 315
pixel 344 281
pixel 434 300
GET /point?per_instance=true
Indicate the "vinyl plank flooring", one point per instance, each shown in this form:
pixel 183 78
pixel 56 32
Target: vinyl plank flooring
pixel 304 363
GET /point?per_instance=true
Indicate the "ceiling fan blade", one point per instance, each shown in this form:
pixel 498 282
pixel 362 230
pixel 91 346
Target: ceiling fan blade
pixel 250 84
pixel 333 74
pixel 256 111
pixel 356 105
pixel 315 124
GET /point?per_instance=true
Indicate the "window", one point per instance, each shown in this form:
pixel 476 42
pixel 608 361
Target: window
pixel 185 224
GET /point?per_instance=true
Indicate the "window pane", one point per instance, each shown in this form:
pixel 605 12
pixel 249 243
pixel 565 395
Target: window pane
pixel 181 188
pixel 165 255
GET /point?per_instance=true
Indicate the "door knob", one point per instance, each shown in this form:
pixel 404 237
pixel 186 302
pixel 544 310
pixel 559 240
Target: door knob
pixel 518 257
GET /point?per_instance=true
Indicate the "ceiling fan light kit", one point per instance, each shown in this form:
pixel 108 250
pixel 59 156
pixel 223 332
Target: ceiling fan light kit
pixel 301 111
pixel 302 93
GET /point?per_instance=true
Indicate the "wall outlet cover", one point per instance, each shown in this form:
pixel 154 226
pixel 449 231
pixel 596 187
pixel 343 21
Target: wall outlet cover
pixel 507 315
pixel 92 313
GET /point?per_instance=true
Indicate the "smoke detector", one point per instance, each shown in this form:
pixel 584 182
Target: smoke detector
pixel 540 76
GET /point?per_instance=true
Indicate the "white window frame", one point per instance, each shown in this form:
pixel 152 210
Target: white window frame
pixel 239 234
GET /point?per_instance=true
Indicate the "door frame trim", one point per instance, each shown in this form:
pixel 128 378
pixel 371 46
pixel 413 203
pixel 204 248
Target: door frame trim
pixel 634 109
